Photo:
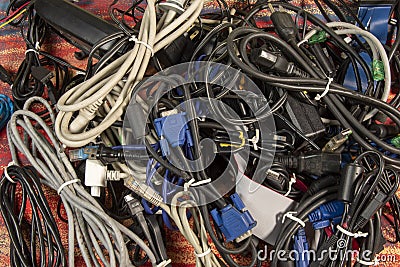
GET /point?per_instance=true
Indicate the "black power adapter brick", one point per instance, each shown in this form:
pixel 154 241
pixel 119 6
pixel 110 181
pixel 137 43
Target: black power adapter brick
pixel 305 117
pixel 79 27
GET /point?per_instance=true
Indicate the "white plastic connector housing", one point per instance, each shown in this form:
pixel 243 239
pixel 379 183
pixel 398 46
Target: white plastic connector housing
pixel 84 117
pixel 116 175
pixel 95 176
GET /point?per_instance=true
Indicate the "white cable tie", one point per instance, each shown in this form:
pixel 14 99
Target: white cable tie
pixel 136 40
pixel 375 262
pixel 11 163
pixel 348 233
pixel 327 88
pixel 289 215
pixel 37 46
pixel 292 181
pixel 188 184
pixel 255 139
pixel 67 183
pixel 202 182
pixel 192 183
pixel 164 263
pixel 202 255
pixel 31 50
pixel 302 42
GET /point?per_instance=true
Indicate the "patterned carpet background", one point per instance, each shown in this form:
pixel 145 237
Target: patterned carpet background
pixel 12 50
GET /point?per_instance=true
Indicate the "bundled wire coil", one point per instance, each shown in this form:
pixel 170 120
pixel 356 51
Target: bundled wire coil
pixel 108 86
pixel 87 221
pixel 41 232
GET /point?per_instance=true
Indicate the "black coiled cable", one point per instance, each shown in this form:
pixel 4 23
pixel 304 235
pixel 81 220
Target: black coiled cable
pixel 27 237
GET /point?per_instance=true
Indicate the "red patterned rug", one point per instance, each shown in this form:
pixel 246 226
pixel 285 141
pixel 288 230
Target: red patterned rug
pixel 12 48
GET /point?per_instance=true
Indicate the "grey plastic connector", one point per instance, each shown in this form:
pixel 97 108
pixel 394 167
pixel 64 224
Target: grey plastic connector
pixel 144 191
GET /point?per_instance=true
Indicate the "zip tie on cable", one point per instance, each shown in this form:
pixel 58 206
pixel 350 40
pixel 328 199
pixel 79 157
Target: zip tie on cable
pixel 67 183
pixel 292 181
pixel 11 163
pixel 164 263
pixel 302 42
pixel 136 40
pixel 35 50
pixel 31 50
pixel 327 88
pixel 368 263
pixel 192 183
pixel 348 233
pixel 255 139
pixel 202 255
pixel 290 214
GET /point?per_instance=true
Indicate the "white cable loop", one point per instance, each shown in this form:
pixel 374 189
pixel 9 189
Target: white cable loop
pixel 302 42
pixel 292 181
pixel 11 163
pixel 289 215
pixel 31 50
pixel 326 91
pixel 164 263
pixel 136 40
pixel 202 255
pixel 67 183
pixel 192 183
pixel 348 233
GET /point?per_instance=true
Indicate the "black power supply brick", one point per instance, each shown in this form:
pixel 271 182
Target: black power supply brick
pixel 305 117
pixel 79 27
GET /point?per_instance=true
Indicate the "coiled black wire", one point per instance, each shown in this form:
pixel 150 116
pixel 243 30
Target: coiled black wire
pixel 41 233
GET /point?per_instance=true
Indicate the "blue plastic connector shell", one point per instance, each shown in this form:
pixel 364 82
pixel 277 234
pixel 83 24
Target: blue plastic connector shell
pixel 327 211
pixel 327 223
pixel 6 110
pixel 302 248
pixel 234 221
pixel 174 129
pixel 164 147
pixel 81 153
pixel 327 214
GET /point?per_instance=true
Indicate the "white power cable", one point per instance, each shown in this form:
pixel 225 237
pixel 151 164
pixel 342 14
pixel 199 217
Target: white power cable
pixel 199 240
pixel 110 79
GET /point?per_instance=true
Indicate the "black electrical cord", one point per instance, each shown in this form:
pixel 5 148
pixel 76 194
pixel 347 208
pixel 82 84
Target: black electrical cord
pixel 370 192
pixel 96 47
pixel 286 83
pixel 292 227
pixel 26 237
pixel 38 67
pixel 313 19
